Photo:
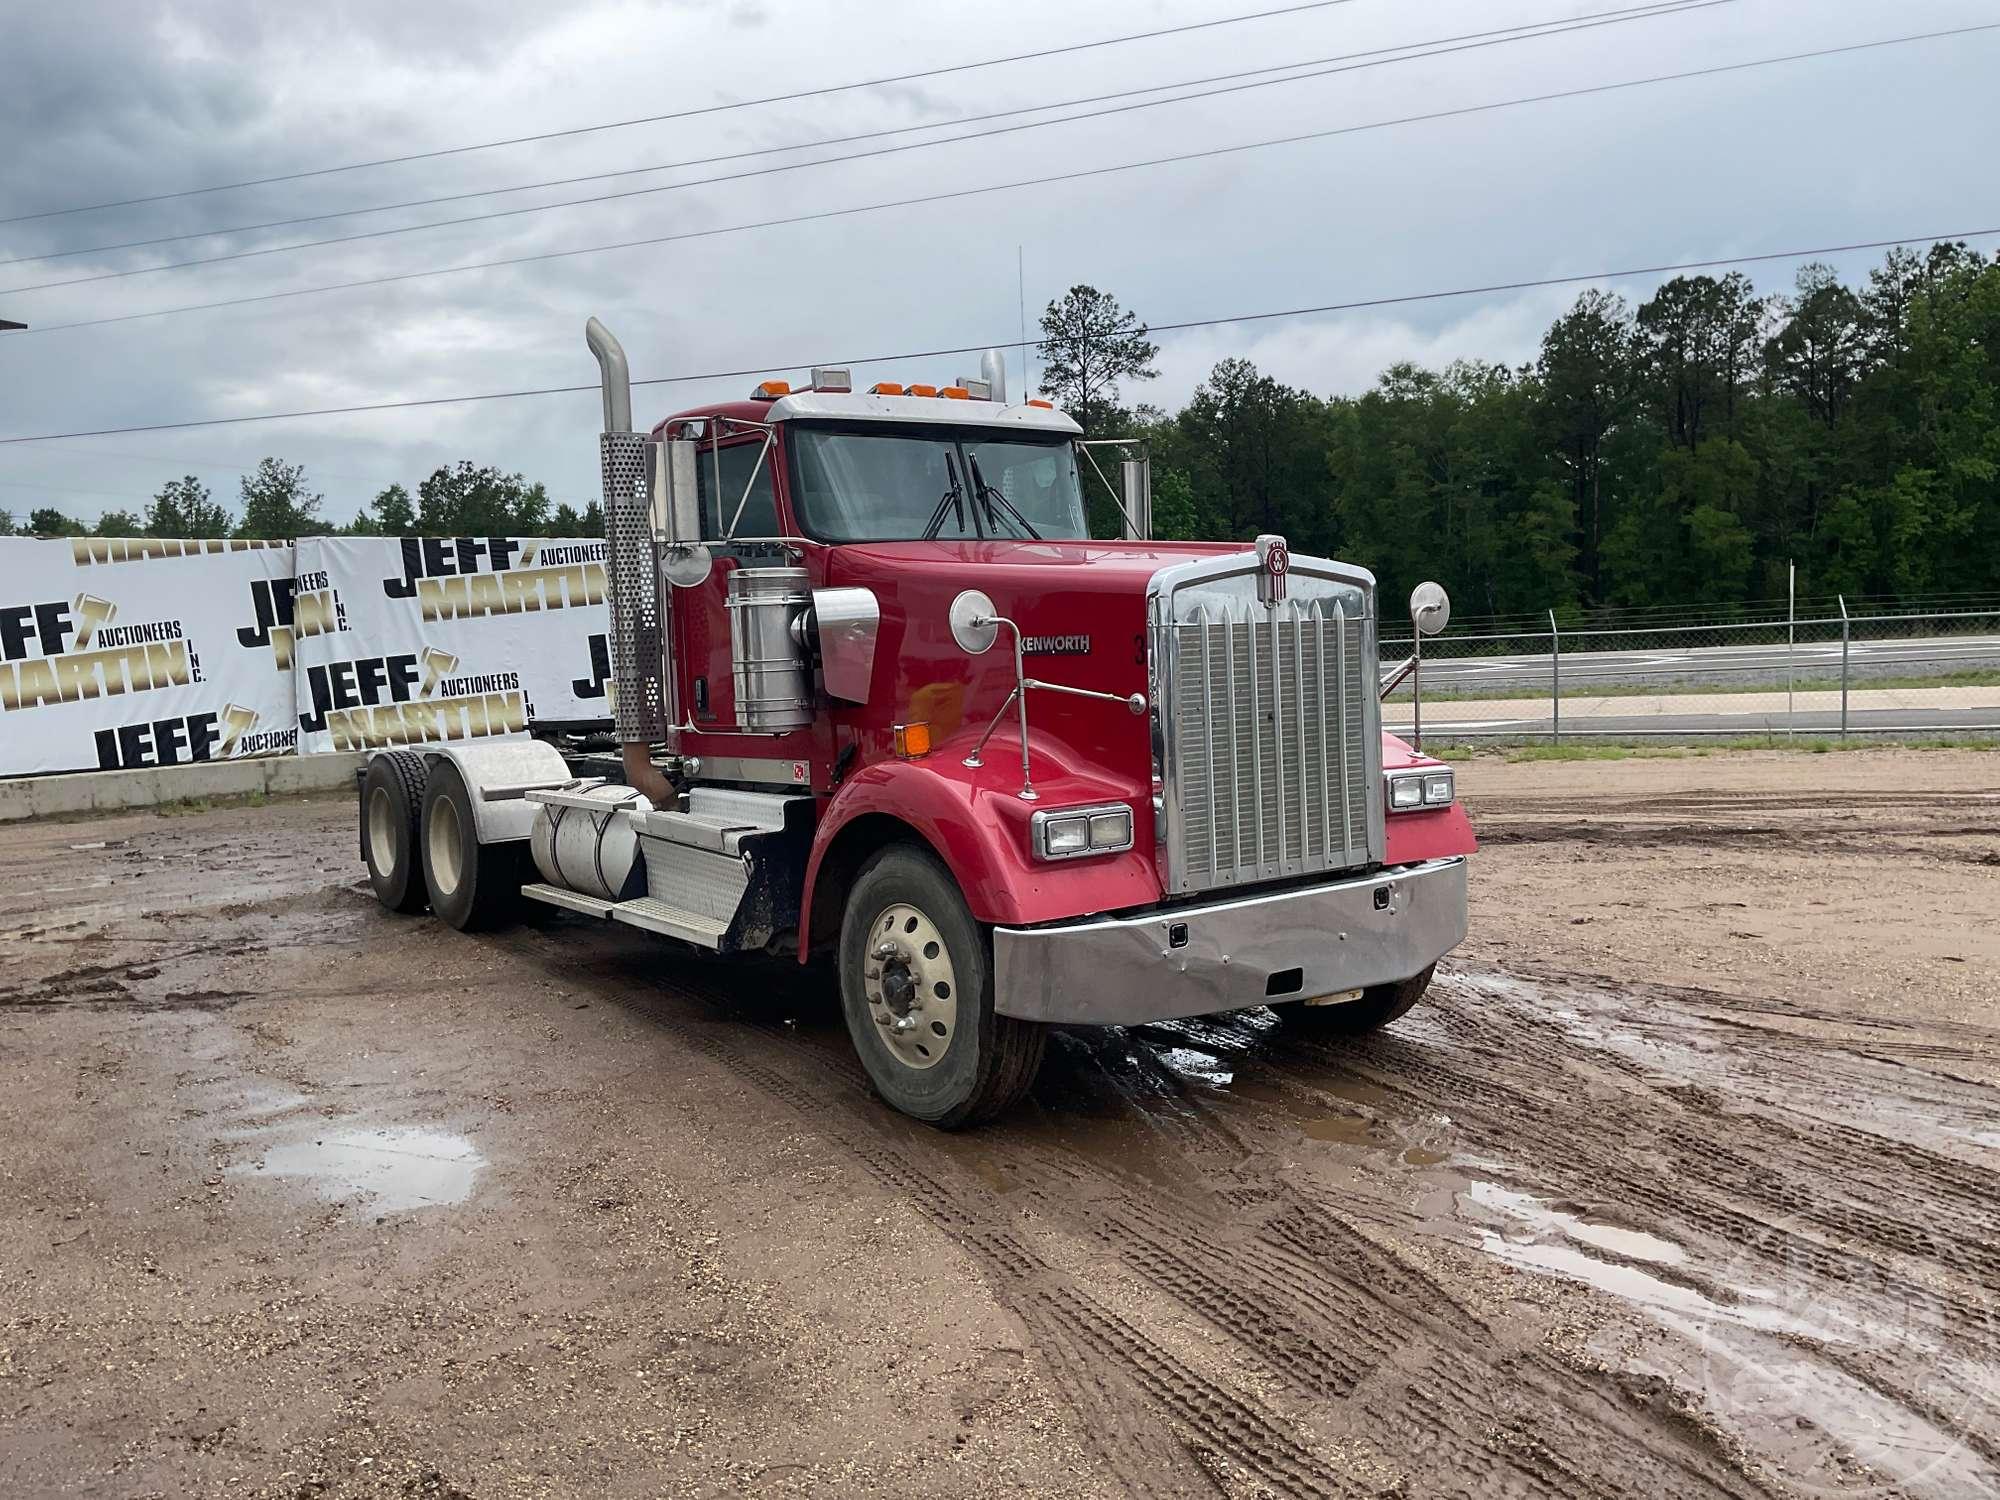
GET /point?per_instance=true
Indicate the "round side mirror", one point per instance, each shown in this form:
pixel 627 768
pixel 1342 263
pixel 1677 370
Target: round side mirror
pixel 687 566
pixel 972 623
pixel 1430 608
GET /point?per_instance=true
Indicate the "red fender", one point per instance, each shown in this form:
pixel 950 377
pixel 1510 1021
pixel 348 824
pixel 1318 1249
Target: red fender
pixel 1412 837
pixel 978 826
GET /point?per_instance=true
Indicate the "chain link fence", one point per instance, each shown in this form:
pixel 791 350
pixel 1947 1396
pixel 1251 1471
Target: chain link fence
pixel 1837 675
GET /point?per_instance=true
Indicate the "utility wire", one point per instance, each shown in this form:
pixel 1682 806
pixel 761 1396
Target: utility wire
pixel 799 166
pixel 1535 29
pixel 688 114
pixel 1081 174
pixel 1402 299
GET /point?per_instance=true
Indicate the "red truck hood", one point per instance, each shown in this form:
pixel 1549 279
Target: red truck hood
pixel 1082 608
pixel 1093 567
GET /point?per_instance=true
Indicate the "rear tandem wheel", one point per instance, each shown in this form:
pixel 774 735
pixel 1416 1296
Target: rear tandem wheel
pixel 392 799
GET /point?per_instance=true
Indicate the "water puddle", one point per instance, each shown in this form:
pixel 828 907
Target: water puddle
pixel 397 1169
pixel 1197 1066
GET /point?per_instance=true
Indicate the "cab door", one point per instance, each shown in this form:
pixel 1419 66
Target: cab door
pixel 700 619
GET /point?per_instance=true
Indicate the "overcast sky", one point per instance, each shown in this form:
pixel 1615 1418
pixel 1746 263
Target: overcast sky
pixel 111 99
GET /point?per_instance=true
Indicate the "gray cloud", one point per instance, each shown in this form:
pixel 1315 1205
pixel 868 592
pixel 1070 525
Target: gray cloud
pixel 108 100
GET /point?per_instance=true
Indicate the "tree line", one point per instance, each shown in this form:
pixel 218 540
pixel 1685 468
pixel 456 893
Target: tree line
pixel 276 502
pixel 1690 449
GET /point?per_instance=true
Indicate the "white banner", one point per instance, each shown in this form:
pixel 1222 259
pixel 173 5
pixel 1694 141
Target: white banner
pixel 414 640
pixel 117 653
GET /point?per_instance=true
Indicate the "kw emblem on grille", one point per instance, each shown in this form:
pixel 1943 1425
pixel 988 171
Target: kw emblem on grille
pixel 1274 564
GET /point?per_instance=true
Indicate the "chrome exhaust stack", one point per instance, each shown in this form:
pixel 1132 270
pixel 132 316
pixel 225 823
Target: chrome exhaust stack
pixel 639 636
pixel 613 374
pixel 993 370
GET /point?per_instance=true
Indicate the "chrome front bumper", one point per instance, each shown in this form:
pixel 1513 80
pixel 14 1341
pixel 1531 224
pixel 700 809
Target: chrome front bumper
pixel 1225 955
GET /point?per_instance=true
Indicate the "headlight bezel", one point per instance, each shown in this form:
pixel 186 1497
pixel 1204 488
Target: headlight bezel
pixel 1098 822
pixel 1423 783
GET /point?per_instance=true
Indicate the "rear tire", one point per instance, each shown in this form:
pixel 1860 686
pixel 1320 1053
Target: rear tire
pixel 472 885
pixel 916 984
pixel 1378 1006
pixel 392 800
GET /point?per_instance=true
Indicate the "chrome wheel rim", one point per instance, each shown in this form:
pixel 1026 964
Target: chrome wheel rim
pixel 447 859
pixel 381 831
pixel 911 985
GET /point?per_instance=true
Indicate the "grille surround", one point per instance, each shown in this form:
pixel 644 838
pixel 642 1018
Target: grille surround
pixel 1251 785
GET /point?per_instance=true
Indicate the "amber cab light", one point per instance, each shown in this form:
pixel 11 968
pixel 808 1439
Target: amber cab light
pixel 955 393
pixel 920 390
pixel 1044 405
pixel 913 740
pixel 886 388
pixel 771 390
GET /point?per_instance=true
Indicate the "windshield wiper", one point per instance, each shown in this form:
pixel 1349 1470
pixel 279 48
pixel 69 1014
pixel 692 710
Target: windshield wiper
pixel 954 498
pixel 981 490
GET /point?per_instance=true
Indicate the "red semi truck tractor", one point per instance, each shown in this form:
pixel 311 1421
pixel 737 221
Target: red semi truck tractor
pixel 882 699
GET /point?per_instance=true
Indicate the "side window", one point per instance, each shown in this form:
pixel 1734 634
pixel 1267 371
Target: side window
pixel 760 512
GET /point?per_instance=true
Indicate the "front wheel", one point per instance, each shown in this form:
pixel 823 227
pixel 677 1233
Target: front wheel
pixel 1377 1007
pixel 916 984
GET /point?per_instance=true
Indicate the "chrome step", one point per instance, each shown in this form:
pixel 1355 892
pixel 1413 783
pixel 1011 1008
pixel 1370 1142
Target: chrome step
pixel 671 921
pixel 555 895
pixel 719 820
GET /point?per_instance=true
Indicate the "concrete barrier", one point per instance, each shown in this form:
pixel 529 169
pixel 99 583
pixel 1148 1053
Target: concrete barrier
pixel 108 791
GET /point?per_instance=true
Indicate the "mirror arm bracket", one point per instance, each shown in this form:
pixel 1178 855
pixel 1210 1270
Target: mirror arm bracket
pixel 1018 698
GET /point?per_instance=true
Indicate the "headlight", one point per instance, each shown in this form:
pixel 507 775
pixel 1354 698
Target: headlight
pixel 1416 791
pixel 1082 830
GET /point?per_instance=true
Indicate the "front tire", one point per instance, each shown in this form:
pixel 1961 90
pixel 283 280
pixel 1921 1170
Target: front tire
pixel 916 984
pixel 392 800
pixel 1378 1006
pixel 472 885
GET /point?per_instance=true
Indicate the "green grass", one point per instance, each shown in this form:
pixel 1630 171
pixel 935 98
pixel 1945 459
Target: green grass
pixel 1982 678
pixel 184 807
pixel 1643 750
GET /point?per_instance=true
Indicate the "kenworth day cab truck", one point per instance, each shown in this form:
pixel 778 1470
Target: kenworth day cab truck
pixel 882 699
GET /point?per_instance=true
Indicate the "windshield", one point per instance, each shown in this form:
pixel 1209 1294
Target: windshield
pixel 856 486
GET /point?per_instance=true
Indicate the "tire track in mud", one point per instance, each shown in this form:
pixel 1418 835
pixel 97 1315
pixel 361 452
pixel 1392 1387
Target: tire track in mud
pixel 1371 1347
pixel 1795 1198
pixel 1070 1327
pixel 1316 1269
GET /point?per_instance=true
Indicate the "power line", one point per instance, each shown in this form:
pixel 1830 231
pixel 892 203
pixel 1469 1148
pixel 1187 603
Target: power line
pixel 1081 174
pixel 1402 299
pixel 799 166
pixel 206 464
pixel 688 114
pixel 1500 35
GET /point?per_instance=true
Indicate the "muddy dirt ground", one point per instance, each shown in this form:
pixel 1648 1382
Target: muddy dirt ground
pixel 1686 1183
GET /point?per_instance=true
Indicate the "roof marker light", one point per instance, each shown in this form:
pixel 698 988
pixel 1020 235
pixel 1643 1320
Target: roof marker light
pixel 955 393
pixel 828 378
pixel 886 388
pixel 920 390
pixel 771 390
pixel 1044 405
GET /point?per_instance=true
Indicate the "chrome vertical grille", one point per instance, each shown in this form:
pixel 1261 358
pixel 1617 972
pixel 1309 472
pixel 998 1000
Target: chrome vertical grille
pixel 1270 735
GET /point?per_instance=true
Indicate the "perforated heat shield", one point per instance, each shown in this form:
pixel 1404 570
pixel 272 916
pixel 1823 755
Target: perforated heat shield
pixel 638 638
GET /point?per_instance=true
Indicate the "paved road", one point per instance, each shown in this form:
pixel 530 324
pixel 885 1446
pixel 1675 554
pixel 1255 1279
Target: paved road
pixel 1535 720
pixel 1819 661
